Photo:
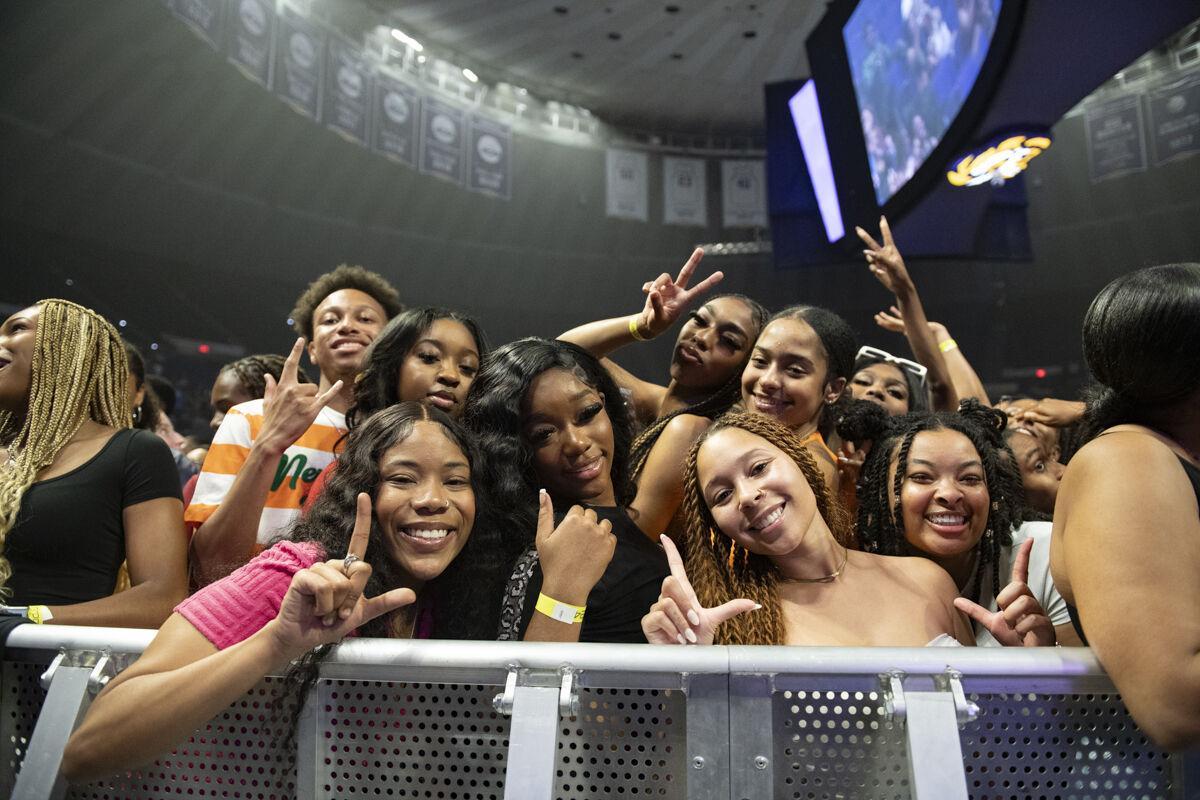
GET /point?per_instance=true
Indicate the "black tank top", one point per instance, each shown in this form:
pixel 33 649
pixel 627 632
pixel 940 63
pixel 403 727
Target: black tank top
pixel 1193 475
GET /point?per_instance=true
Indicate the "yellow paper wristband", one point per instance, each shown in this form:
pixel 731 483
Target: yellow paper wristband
pixel 947 345
pixel 39 615
pixel 634 332
pixel 563 612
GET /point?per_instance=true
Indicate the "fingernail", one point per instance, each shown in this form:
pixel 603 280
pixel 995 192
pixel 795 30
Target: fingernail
pixel 757 606
pixel 691 635
pixel 680 639
pixel 693 617
pixel 344 613
pixel 541 492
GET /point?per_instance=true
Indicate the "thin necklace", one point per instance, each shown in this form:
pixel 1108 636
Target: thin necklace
pixel 826 578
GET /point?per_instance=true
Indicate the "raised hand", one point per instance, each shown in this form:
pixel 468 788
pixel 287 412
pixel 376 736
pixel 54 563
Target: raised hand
pixel 850 462
pixel 1052 412
pixel 289 407
pixel 678 617
pixel 667 299
pixel 884 260
pixel 1021 620
pixel 325 602
pixel 573 555
pixel 892 320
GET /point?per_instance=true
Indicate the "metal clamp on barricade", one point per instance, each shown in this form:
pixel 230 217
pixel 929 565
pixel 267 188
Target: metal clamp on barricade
pixel 475 720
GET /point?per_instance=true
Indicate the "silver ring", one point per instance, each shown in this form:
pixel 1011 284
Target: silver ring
pixel 349 561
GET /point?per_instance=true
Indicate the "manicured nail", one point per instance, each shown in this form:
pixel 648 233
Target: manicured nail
pixel 691 635
pixel 693 617
pixel 757 606
pixel 344 613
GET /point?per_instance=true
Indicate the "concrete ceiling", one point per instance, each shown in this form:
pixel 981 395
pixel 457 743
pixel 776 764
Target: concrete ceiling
pixel 687 66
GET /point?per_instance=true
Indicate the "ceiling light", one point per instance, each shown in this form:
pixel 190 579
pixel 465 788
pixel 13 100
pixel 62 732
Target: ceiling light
pixel 401 36
pixel 469 75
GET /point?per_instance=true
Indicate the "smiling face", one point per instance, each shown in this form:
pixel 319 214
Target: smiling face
pixel 565 426
pixel 227 392
pixel 712 344
pixel 343 325
pixel 18 335
pixel 425 505
pixel 883 384
pixel 1040 474
pixel 785 377
pixel 439 368
pixel 756 493
pixel 944 496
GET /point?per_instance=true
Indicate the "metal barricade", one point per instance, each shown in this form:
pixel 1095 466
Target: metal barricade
pixel 492 720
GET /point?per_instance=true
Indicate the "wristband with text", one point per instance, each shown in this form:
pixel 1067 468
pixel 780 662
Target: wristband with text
pixel 947 345
pixel 563 612
pixel 39 615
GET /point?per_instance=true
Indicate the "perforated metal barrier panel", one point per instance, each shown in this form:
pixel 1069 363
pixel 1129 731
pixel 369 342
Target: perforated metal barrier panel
pixel 798 724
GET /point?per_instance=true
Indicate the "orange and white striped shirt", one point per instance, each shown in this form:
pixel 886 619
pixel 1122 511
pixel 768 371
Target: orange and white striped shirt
pixel 298 467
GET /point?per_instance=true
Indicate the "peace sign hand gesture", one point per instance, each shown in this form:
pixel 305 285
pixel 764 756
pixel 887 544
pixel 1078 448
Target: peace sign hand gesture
pixel 667 299
pixel 1021 620
pixel 884 260
pixel 289 407
pixel 678 617
pixel 325 602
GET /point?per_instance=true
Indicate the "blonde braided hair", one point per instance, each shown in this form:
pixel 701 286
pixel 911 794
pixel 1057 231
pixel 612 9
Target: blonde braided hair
pixel 719 569
pixel 78 372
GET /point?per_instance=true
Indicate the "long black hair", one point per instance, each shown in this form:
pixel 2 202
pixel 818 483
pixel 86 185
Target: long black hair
pixel 1139 340
pixel 330 523
pixel 378 385
pixel 880 517
pixel 712 406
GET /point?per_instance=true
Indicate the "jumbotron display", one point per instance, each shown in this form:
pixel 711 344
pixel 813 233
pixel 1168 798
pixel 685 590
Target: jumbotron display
pixel 913 63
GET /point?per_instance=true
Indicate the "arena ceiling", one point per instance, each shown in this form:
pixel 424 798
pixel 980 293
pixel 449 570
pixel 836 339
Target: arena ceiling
pixel 686 66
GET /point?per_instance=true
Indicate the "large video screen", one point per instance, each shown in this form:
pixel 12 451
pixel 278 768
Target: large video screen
pixel 913 63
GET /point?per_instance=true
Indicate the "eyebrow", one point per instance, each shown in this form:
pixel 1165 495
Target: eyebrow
pixel 805 360
pixel 410 464
pixel 749 455
pixel 728 325
pixel 963 465
pixel 582 393
pixel 441 346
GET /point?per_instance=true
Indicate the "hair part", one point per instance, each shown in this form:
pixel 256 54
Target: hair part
pixel 719 568
pixel 378 385
pixel 343 277
pixel 79 372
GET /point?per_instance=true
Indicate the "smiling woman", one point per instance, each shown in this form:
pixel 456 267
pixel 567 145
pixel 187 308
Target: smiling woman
pixel 400 510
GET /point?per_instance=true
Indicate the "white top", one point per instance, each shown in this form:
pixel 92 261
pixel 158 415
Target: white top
pixel 1040 582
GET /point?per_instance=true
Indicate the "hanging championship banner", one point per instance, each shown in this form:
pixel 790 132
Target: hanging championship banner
pixel 397 107
pixel 348 93
pixel 1115 144
pixel 685 191
pixel 248 46
pixel 490 159
pixel 203 17
pixel 1175 120
pixel 743 194
pixel 299 62
pixel 442 129
pixel 626 184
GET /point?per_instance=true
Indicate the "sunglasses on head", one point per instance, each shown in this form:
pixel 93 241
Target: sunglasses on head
pixel 916 369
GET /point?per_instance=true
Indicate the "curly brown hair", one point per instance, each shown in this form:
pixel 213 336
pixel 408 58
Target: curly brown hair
pixel 718 568
pixel 345 276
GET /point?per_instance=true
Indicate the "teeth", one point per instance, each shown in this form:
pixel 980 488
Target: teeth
pixel 770 518
pixel 947 519
pixel 416 533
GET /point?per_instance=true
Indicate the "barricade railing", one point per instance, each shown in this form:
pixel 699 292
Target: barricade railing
pixel 492 720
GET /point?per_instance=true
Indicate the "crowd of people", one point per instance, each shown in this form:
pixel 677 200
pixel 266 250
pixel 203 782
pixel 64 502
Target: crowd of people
pixel 778 481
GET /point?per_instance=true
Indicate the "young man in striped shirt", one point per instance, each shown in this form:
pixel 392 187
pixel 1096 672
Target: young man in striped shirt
pixel 266 453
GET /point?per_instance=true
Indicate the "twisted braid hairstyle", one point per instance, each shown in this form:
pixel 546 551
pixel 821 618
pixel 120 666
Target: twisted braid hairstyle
pixel 378 385
pixel 880 517
pixel 79 372
pixel 710 407
pixel 718 568
pixel 251 372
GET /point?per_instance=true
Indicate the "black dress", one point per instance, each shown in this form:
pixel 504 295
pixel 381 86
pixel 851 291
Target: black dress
pixel 616 604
